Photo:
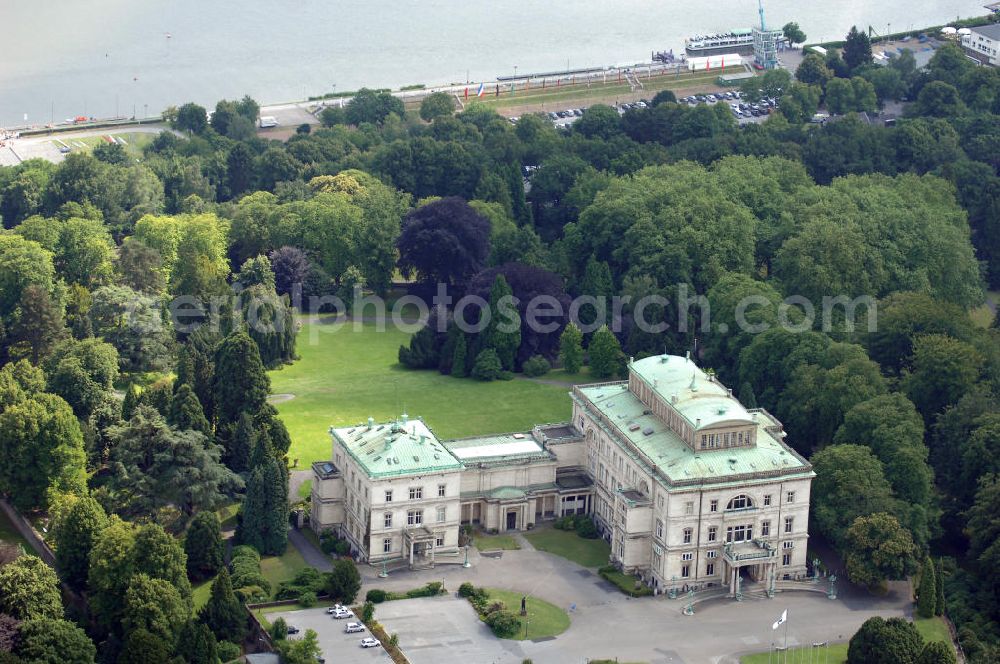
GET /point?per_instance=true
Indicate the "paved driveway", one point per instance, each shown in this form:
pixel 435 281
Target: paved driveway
pixel 338 646
pixel 443 630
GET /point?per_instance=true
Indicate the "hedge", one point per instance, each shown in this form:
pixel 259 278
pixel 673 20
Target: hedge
pixel 629 585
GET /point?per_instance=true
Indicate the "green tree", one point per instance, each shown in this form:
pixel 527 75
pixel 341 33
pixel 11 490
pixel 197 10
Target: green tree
pixel 373 107
pixel 747 396
pixel 878 548
pixel 42 447
pixel 191 118
pixel 840 96
pixel 154 466
pixel 571 349
pixel 857 49
pixel 256 271
pixel 203 545
pixel 37 323
pixel 223 613
pixel 605 354
pixel 29 589
pixel 131 401
pixel 904 315
pixel 849 484
pixel 263 520
pixel 939 605
pixel 458 357
pixel 435 105
pixel 503 332
pixel 196 644
pixel 82 373
pixel 597 283
pixel 143 647
pixel 943 370
pixel 54 641
pixel 344 581
pixel 865 98
pixel 881 641
pixel 154 605
pixel 75 536
pixel 813 71
pixel 111 567
pixel 793 33
pixel 141 267
pixel 160 556
pixel 22 263
pixel 300 651
pixel 239 383
pixel 938 99
pixel 487 366
pixel 279 629
pixel 186 412
pixel 133 324
pixel 937 652
pixel 927 590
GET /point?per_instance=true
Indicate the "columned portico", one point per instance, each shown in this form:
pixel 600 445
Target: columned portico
pixel 757 555
pixel 419 541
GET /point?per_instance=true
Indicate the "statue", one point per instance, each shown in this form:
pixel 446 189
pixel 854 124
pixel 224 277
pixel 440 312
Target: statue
pixel 672 593
pixel 815 569
pixel 689 608
pixel 524 606
pixel 739 588
pixel 832 593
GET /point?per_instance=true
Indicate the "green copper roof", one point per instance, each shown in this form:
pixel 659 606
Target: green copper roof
pixel 678 462
pixel 395 448
pixel 699 397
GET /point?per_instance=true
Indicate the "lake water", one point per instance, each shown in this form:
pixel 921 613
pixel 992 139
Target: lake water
pixel 62 58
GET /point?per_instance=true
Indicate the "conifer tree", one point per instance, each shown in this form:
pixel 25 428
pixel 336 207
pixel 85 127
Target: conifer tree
pixel 939 589
pixel 196 644
pixel 747 396
pixel 927 591
pixel 240 444
pixel 223 612
pixel 596 282
pixel 605 354
pixel 571 349
pixel 130 402
pixel 458 358
pixel 264 517
pixel 203 545
pixel 186 412
pixel 262 451
pixel 503 333
pixel 240 384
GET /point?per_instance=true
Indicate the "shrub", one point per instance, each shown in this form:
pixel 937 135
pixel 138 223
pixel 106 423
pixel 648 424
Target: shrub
pixel 465 590
pixel 244 551
pixel 228 651
pixel 307 599
pixel 376 596
pixel 535 366
pixel 487 366
pixel 630 585
pixel 494 607
pixel 367 612
pixel 342 547
pixel 279 629
pixel 394 640
pixel 308 579
pixel 503 623
pixel 585 527
pixel 249 594
pixel 565 523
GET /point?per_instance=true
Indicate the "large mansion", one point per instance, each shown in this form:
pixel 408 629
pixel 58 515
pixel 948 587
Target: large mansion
pixel 688 486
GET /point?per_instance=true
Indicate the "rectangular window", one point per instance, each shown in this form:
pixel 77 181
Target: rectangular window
pixel 414 517
pixel 689 507
pixel 441 488
pixel 440 514
pixel 712 554
pixel 790 497
pixel 786 559
pixel 788 544
pixel 713 532
pixel 416 492
pixel 713 506
pixel 739 533
pixel 767 500
pixel 388 520
pixel 659 529
pixel 788 524
pixel 765 528
pixel 387 545
pixel 388 495
pixel 687 556
pixel 687 535
pixel 710 569
pixel 439 541
pixel 685 571
pixel 659 502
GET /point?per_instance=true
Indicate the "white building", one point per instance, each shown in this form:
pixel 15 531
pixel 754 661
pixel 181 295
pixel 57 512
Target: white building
pixel 689 487
pixel 983 43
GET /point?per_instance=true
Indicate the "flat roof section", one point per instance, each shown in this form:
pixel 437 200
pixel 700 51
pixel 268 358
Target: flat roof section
pixel 400 447
pixel 496 448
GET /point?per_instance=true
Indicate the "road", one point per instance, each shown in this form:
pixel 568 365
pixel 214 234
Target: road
pixel 42 146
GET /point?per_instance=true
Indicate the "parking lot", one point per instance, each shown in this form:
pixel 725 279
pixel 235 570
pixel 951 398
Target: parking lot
pixel 444 630
pixel 338 646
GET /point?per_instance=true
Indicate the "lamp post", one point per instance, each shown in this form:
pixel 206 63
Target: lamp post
pixel 383 573
pixel 466 564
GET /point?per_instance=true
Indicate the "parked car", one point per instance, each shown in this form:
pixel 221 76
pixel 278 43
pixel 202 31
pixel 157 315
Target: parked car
pixel 342 613
pixel 292 629
pixel 354 627
pixel 369 642
pixel 335 608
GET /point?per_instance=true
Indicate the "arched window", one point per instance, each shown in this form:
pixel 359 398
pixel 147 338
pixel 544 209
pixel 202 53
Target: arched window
pixel 740 502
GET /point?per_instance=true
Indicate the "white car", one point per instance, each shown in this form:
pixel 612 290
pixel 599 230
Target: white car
pixel 369 642
pixel 354 627
pixel 342 613
pixel 335 608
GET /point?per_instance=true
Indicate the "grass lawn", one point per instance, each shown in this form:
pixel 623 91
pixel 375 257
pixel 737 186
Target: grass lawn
pixel 494 542
pixel 344 377
pixel 282 568
pixel 566 543
pixel 544 619
pixel 933 629
pixel 227 516
pixel 837 654
pixel 134 141
pixel 200 592
pixel 305 489
pixel 9 535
